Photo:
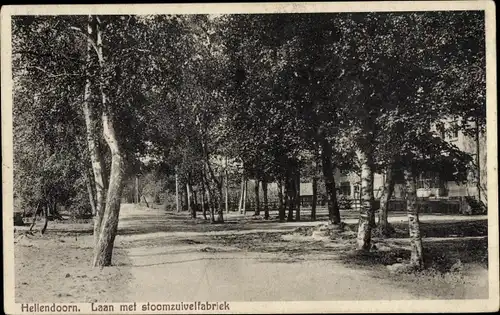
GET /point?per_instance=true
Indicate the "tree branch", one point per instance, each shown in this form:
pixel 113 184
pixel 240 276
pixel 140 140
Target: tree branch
pixel 51 75
pixel 91 41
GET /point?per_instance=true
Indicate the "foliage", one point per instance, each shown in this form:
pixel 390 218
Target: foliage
pixel 260 90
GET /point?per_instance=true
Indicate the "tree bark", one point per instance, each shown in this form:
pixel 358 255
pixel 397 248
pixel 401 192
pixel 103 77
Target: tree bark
pixel 177 192
pixel 137 194
pixel 91 123
pixel 220 210
pixel 372 200
pixel 245 189
pixel 38 210
pixel 226 188
pixel 383 223
pixel 326 159
pixel 266 205
pixel 191 207
pixel 281 209
pixel 314 203
pixel 478 160
pixel 145 201
pixel 90 192
pixel 203 204
pixel 242 187
pixel 314 197
pixel 257 199
pixel 45 218
pixel 104 247
pixel 210 197
pixel 218 186
pixel 416 259
pixel 195 199
pixel 297 194
pixel 211 205
pixel 185 206
pixel 290 193
pixel 366 209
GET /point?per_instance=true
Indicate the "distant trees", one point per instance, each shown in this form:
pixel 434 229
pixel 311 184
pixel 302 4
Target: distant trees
pixel 49 137
pixel 276 94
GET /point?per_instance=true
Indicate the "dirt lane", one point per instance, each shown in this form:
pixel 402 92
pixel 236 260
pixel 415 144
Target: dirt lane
pixel 161 257
pixel 166 269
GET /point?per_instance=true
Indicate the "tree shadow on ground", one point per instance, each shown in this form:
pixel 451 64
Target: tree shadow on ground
pixel 444 229
pixel 176 223
pixel 444 244
pixel 439 255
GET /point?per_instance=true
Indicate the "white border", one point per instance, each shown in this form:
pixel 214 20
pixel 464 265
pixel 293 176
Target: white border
pixel 491 304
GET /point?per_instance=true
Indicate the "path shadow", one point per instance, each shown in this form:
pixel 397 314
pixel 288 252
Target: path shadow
pixel 146 224
pixel 445 229
pixel 440 255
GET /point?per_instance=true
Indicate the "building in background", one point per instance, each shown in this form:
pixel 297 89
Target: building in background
pixel 432 185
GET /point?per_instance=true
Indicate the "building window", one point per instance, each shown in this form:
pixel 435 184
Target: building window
pixel 453 132
pixel 428 180
pixel 441 130
pixel 356 191
pixel 345 188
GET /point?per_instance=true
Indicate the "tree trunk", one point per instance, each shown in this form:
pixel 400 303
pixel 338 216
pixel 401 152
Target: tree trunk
pixel 372 200
pixel 240 203
pixel 366 209
pixel 45 218
pixel 137 194
pixel 38 210
pixel 91 123
pixel 226 188
pixel 145 201
pixel 290 192
pixel 314 202
pixel 210 197
pixel 266 205
pixel 326 159
pixel 383 223
pixel 257 199
pixel 203 204
pixel 90 192
pixel 297 195
pixel 211 206
pixel 185 195
pixel 196 204
pixel 314 197
pixel 281 210
pixel 416 259
pixel 220 210
pixel 177 192
pixel 191 206
pixel 104 247
pixel 478 162
pixel 245 189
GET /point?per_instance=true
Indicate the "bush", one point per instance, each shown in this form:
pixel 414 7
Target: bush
pixel 476 206
pixel 345 203
pixel 18 219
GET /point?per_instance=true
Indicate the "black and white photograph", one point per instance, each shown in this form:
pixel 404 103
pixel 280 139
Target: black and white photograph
pixel 236 158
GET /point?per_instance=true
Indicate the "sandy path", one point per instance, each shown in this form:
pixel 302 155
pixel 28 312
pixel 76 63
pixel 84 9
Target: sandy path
pixel 169 271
